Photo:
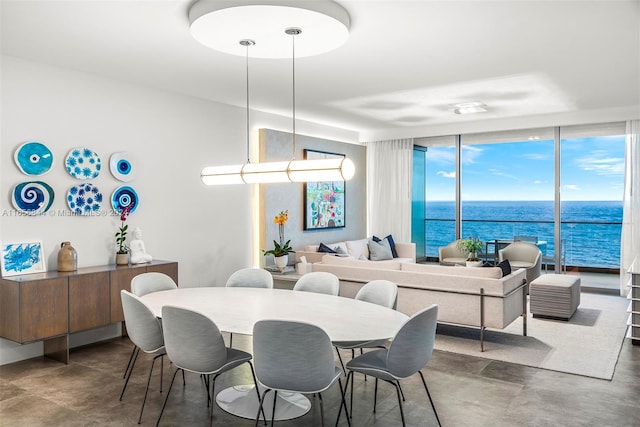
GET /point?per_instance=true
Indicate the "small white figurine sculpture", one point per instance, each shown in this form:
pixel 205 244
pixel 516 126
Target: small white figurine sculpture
pixel 139 254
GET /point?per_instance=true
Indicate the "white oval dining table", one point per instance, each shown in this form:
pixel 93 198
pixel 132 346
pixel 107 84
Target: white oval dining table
pixel 237 309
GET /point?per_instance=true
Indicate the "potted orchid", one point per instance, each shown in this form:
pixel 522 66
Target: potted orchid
pixel 122 255
pixel 282 249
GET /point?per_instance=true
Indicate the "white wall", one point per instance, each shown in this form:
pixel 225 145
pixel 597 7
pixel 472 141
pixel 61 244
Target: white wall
pixel 207 230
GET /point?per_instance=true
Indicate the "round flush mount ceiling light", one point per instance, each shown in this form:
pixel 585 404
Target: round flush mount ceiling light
pixel 220 24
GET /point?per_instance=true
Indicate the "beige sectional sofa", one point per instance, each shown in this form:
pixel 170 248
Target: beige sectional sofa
pixel 356 249
pixel 471 296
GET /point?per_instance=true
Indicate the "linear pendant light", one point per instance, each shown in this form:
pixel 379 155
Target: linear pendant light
pixel 340 169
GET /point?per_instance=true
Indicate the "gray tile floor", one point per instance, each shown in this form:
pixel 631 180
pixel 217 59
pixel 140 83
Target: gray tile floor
pixel 468 391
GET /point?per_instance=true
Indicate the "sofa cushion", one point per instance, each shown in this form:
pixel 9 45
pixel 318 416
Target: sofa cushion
pixel 379 251
pixel 351 262
pixel 356 248
pixel 505 266
pixel 391 242
pixel 325 248
pixel 489 272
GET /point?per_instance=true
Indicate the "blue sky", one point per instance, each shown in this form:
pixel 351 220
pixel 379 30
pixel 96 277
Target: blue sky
pixel 592 169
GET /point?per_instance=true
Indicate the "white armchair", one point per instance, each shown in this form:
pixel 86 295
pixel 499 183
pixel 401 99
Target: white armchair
pixel 523 255
pixel 451 255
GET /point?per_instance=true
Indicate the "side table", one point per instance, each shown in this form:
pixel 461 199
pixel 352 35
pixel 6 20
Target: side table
pixel 285 280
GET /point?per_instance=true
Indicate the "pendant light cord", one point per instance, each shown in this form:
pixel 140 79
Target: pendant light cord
pixel 293 32
pixel 247 67
pixel 247 43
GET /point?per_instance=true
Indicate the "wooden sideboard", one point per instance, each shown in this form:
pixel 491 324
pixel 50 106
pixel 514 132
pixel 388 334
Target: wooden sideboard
pixel 49 306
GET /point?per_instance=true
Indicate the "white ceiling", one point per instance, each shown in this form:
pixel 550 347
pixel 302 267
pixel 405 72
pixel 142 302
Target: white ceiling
pixel 403 67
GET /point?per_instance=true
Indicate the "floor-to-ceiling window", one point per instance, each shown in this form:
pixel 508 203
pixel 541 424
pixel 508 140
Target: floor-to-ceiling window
pixel 592 179
pixel 440 197
pixel 509 183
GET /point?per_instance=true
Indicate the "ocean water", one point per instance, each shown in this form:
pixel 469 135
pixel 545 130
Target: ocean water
pixel 590 230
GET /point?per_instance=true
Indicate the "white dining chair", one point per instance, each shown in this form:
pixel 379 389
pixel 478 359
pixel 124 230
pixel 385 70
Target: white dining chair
pixel 320 282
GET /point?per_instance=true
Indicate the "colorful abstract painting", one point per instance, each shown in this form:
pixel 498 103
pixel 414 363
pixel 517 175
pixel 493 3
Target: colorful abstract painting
pixel 323 201
pixel 22 258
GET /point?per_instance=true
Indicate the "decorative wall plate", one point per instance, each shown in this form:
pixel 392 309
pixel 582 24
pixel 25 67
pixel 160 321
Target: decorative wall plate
pixel 121 166
pixel 83 163
pixel 124 196
pixel 33 158
pixel 32 197
pixel 84 199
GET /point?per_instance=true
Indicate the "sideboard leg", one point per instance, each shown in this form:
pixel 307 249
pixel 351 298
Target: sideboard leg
pixel 57 348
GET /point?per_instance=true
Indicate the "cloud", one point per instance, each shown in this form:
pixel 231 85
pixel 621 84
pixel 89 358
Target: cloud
pixel 571 187
pixel 537 182
pixel 498 172
pixel 597 162
pixel 470 153
pixel 443 155
pixel 445 174
pixel 536 156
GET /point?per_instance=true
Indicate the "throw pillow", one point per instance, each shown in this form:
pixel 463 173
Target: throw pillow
pixel 325 248
pixel 379 251
pixel 339 250
pixel 392 244
pixel 505 266
pixel 487 264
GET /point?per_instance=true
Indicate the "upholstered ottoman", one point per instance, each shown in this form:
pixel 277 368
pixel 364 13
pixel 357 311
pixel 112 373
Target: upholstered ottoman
pixel 554 295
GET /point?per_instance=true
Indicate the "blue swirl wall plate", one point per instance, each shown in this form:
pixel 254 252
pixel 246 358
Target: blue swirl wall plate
pixel 84 199
pixel 33 158
pixel 83 163
pixel 121 166
pixel 32 197
pixel 124 196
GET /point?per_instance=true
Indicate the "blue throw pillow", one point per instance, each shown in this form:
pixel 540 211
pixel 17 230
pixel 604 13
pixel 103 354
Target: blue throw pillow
pixel 325 248
pixel 506 267
pixel 392 244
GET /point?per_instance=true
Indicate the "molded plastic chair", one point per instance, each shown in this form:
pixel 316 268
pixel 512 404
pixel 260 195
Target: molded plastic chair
pixel 294 357
pixel 523 255
pixel 381 292
pixel 409 352
pixel 320 282
pixel 194 343
pixel 451 255
pixel 145 332
pixel 141 285
pixel 147 283
pixel 250 278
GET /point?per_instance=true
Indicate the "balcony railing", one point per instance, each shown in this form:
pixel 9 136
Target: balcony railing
pixel 587 244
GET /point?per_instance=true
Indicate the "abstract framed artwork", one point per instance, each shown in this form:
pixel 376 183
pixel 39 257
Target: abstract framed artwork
pixel 22 258
pixel 324 201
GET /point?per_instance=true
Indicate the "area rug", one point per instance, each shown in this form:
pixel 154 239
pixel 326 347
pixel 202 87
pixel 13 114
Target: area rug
pixel 588 344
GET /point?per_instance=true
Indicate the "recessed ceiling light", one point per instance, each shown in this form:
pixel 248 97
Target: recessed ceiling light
pixel 469 108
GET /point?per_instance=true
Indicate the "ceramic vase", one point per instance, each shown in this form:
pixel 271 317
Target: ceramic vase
pixel 122 259
pixel 67 257
pixel 281 261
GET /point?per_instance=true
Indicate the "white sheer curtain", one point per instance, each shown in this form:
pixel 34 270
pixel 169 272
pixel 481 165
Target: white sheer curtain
pixel 630 242
pixel 389 174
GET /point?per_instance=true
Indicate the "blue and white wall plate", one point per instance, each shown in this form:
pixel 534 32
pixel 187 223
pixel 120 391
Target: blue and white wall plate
pixel 32 197
pixel 121 166
pixel 33 158
pixel 83 163
pixel 124 196
pixel 84 199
